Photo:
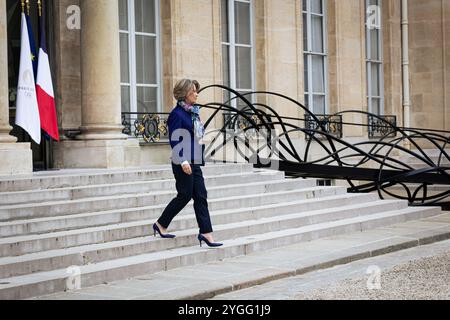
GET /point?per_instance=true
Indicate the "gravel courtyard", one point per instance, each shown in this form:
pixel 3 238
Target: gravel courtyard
pixel 420 273
pixel 423 279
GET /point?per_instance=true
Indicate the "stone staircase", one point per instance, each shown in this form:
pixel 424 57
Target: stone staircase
pixel 434 190
pixel 101 222
pixel 434 155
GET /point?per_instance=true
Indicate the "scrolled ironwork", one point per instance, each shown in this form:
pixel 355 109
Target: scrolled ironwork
pixel 332 124
pixel 150 127
pixel 237 123
pixel 379 129
pixel 393 165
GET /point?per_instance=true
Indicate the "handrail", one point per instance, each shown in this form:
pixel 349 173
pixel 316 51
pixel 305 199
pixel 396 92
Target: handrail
pixel 395 159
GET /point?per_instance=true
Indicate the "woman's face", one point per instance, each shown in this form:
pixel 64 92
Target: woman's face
pixel 192 96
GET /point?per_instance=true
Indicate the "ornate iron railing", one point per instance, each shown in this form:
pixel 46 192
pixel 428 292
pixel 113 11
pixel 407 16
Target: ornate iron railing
pixel 331 123
pixel 152 128
pixel 234 122
pixel 382 126
pixel 394 164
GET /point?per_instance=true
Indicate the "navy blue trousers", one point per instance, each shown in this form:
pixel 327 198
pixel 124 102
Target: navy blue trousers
pixel 188 188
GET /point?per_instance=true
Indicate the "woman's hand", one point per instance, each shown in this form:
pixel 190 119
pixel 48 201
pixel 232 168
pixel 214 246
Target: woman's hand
pixel 187 169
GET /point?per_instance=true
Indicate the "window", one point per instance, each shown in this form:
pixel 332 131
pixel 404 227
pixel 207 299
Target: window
pixel 374 57
pixel 315 55
pixel 140 55
pixel 237 46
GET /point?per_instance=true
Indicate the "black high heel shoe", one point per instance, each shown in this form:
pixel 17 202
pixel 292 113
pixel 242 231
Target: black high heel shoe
pixel 164 236
pixel 202 238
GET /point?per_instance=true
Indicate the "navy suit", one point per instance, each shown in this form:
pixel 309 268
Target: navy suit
pixel 192 186
pixel 185 147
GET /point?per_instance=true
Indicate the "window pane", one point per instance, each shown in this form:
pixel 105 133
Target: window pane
pixel 374 43
pixel 226 65
pixel 305 58
pixel 242 23
pixel 124 59
pixel 307 101
pixel 318 73
pixel 147 100
pixel 316 6
pixel 305 32
pixel 375 79
pixel 224 21
pixel 244 68
pixel 376 106
pixel 317 33
pixel 240 103
pixel 319 105
pixel 305 5
pixel 123 15
pixel 144 11
pixel 125 94
pixel 226 99
pixel 146 60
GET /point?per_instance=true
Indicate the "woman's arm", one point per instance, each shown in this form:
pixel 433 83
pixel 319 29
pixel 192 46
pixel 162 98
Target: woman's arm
pixel 175 124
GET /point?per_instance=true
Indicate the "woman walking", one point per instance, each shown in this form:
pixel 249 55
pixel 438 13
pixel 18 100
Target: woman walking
pixel 185 132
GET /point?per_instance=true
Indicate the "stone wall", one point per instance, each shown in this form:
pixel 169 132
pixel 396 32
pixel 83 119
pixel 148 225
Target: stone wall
pixel 347 83
pixel 67 68
pixel 429 67
pixel 392 45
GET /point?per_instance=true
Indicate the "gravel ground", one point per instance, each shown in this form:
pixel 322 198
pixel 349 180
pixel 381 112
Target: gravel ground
pixel 422 279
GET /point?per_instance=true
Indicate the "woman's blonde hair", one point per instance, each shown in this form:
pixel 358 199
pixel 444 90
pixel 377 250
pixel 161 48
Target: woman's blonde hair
pixel 183 87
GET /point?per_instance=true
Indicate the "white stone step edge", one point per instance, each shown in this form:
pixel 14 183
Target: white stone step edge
pixel 282 189
pixel 42 182
pixel 95 253
pixel 111 217
pixel 39 284
pixel 157 193
pixel 129 187
pixel 14 246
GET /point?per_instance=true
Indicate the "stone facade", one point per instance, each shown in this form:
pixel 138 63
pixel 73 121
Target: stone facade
pixel 16 158
pixel 429 63
pixel 88 98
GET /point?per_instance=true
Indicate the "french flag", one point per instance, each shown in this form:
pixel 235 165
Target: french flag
pixel 44 88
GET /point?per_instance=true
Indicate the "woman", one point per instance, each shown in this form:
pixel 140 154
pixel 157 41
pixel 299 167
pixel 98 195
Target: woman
pixel 185 132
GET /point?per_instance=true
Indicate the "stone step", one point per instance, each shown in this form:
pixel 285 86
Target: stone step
pixel 43 283
pixel 19 245
pixel 97 219
pixel 77 178
pixel 303 212
pixel 59 208
pixel 93 191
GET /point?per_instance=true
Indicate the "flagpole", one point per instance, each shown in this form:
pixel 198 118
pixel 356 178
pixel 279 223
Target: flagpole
pixel 28 7
pixel 40 7
pixel 40 3
pixel 23 6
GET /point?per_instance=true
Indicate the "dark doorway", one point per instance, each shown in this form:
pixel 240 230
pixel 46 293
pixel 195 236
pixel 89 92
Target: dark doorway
pixel 42 154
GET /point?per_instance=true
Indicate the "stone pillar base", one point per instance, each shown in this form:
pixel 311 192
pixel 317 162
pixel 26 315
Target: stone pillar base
pixel 98 154
pixel 16 158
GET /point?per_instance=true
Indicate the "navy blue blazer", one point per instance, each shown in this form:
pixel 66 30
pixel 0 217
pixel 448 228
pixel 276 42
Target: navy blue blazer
pixel 185 146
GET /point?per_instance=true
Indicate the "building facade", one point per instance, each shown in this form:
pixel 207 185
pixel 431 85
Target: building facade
pixel 387 57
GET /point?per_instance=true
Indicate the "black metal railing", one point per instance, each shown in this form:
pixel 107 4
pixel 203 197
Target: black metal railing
pixel 382 126
pixel 330 124
pixel 234 122
pixel 393 162
pixel 151 128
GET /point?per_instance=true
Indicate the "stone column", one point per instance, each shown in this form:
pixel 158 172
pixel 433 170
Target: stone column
pixel 16 158
pixel 5 128
pixel 100 71
pixel 347 62
pixel 101 144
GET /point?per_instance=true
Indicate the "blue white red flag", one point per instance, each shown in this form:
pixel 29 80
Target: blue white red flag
pixel 44 88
